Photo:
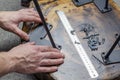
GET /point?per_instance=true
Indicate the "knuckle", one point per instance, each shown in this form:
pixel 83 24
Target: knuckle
pixel 42 63
pixel 34 51
pixel 41 55
pixel 51 54
pixel 36 48
pixel 49 62
pixel 45 70
pixel 46 62
pixel 48 47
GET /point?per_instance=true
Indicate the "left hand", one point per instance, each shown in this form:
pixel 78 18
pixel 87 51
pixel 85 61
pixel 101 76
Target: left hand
pixel 30 58
pixel 9 20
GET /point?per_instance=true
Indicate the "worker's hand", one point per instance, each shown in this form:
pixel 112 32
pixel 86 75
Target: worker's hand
pixel 9 20
pixel 30 58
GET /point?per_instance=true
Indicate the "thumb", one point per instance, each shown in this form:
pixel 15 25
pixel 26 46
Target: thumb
pixel 21 33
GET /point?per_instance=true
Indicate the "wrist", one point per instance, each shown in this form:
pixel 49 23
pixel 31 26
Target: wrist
pixel 7 63
pixel 15 61
pixel 1 18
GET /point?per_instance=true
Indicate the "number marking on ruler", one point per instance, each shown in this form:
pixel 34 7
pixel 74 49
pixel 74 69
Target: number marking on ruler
pixel 76 42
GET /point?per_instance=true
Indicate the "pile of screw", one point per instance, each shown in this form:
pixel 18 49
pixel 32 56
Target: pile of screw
pixel 91 36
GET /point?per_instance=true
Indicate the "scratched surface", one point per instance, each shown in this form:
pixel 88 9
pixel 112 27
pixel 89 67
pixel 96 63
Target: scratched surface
pixel 106 25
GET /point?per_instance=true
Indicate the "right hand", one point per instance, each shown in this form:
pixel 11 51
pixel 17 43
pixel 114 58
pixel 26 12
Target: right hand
pixel 29 58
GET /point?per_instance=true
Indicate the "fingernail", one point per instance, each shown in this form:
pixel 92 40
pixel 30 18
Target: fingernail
pixel 57 69
pixel 62 60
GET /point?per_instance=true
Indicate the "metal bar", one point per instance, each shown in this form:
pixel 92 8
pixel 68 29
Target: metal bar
pixel 106 4
pixel 44 22
pixel 81 2
pixel 102 5
pixel 112 48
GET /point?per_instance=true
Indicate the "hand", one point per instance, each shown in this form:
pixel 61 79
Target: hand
pixel 9 20
pixel 30 58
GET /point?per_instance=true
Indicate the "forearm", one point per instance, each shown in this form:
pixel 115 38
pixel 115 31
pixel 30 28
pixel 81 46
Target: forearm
pixel 6 64
pixel 1 18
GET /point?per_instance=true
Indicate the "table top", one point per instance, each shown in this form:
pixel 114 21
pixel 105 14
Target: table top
pixel 106 25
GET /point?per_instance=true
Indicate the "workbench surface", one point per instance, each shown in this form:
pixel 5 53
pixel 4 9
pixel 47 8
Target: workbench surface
pixel 106 25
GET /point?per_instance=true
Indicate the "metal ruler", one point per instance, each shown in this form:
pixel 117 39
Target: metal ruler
pixel 75 40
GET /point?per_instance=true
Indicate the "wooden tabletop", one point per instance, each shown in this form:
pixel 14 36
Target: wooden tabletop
pixel 106 25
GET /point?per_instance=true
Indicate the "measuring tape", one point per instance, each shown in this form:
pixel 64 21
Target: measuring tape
pixel 75 40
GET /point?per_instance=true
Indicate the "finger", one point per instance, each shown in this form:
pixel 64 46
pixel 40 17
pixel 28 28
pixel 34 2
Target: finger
pixel 21 33
pixel 33 13
pixel 30 9
pixel 47 49
pixel 29 15
pixel 47 69
pixel 52 55
pixel 31 18
pixel 51 62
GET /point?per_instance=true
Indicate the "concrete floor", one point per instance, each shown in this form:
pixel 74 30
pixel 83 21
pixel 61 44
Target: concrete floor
pixel 9 40
pixel 7 37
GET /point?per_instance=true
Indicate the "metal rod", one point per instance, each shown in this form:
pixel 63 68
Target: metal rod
pixel 44 22
pixel 106 4
pixel 112 48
